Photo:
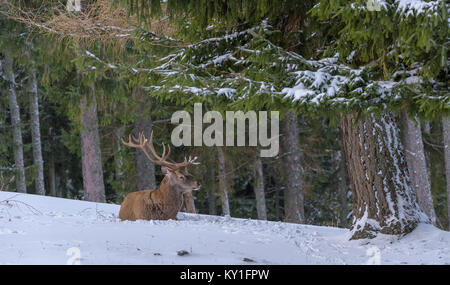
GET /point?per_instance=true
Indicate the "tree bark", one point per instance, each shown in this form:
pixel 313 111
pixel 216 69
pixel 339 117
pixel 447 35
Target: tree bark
pixel 417 165
pixel 293 196
pixel 342 190
pixel 145 169
pixel 259 189
pixel 63 184
pixel 36 131
pixel 189 204
pixel 426 127
pixel 8 71
pixel 52 175
pixel 94 188
pixel 426 131
pixel 118 158
pixel 446 136
pixel 211 178
pixel 383 199
pixel 51 165
pixel 277 204
pixel 223 182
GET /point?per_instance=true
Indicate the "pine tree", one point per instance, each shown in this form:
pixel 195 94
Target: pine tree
pixel 316 58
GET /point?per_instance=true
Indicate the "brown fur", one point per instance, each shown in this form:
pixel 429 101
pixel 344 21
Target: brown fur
pixel 161 204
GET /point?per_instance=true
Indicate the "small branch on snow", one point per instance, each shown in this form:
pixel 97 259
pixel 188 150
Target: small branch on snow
pixel 11 203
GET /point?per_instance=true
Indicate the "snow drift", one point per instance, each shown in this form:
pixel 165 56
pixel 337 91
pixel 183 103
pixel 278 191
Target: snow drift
pixel 46 230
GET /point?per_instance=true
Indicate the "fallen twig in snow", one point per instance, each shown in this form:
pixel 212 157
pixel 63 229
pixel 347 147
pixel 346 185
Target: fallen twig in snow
pixel 99 214
pixel 10 203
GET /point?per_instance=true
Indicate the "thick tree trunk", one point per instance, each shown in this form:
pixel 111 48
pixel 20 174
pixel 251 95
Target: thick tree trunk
pixel 189 204
pixel 417 165
pixel 342 190
pixel 94 188
pixel 8 65
pixel 36 133
pixel 259 189
pixel 383 199
pixel 145 169
pixel 293 196
pixel 446 135
pixel 223 182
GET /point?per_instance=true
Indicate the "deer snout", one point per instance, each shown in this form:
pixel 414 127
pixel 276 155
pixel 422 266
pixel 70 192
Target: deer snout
pixel 199 185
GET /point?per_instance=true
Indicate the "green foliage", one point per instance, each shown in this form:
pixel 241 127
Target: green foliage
pixel 241 59
pixel 396 43
pixel 322 58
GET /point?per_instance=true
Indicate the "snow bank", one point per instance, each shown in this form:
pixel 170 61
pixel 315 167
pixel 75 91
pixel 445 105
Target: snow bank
pixel 48 230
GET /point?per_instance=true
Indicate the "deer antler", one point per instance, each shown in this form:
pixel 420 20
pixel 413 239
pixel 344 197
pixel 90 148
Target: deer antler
pixel 141 143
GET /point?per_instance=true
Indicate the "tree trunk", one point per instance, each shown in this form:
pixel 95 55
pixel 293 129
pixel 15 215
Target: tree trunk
pixel 293 196
pixel 118 158
pixel 52 174
pixel 223 182
pixel 277 203
pixel 189 204
pixel 426 127
pixel 211 178
pixel 426 131
pixel 145 169
pixel 94 188
pixel 417 165
pixel 51 165
pixel 58 186
pixel 36 131
pixel 446 135
pixel 259 189
pixel 8 70
pixel 63 185
pixel 383 199
pixel 342 190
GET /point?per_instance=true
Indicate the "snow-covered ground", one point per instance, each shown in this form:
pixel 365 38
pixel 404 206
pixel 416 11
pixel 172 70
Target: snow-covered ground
pixel 47 230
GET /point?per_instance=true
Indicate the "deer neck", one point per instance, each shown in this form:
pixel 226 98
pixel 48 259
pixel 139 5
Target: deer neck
pixel 168 192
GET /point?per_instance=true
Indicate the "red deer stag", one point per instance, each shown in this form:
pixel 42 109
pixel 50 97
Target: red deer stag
pixel 165 202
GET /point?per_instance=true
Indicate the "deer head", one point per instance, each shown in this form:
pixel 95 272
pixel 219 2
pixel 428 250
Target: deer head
pixel 176 173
